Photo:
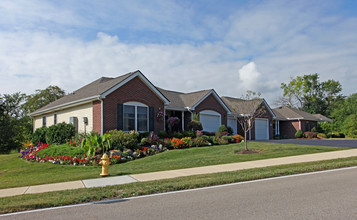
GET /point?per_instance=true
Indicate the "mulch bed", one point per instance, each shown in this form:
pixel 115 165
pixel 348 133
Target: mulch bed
pixel 248 152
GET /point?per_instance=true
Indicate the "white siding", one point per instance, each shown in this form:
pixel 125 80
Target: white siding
pixel 85 110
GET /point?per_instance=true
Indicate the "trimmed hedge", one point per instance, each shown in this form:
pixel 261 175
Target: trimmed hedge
pixel 58 150
pixel 60 133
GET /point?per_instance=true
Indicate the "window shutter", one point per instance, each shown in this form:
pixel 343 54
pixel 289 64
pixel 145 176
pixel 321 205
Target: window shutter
pixel 151 118
pixel 120 117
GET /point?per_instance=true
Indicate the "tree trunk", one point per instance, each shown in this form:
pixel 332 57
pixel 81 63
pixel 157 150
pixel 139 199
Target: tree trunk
pixel 245 140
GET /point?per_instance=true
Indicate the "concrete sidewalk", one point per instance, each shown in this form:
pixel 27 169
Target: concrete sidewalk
pixel 118 180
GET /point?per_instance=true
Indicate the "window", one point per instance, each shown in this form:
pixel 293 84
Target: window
pixel 135 117
pixel 55 119
pixel 44 121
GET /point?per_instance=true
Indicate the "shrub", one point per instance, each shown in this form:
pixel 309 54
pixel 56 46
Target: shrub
pixel 153 139
pixel 230 130
pixel 299 134
pixel 229 139
pixel 189 134
pixel 177 135
pixel 219 141
pixel 60 133
pixel 144 135
pixel 321 135
pixel 310 134
pixel 222 128
pixel 163 134
pixel 208 133
pixel 199 133
pixel 198 142
pixel 195 125
pixel 39 136
pixel 58 150
pixel 122 139
pixel 220 134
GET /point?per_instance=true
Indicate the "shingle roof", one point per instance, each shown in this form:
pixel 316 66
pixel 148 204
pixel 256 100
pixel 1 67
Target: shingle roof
pixel 93 89
pixel 241 106
pixel 322 118
pixel 288 113
pixel 182 100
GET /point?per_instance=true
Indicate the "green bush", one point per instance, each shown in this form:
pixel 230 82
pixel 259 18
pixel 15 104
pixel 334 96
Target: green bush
pixel 177 135
pixel 219 141
pixel 299 134
pixel 39 135
pixel 163 134
pixel 310 134
pixel 222 128
pixel 188 134
pixel 58 150
pixel 195 125
pixel 198 142
pixel 121 139
pixel 321 135
pixel 230 130
pixel 229 139
pixel 60 133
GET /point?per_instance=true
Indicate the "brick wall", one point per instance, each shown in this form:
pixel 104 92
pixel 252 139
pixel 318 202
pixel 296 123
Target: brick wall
pixel 211 103
pixel 133 91
pixel 289 128
pixel 97 116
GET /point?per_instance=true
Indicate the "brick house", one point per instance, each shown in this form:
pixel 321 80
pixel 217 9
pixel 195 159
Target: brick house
pixel 132 102
pixel 290 120
pixel 263 117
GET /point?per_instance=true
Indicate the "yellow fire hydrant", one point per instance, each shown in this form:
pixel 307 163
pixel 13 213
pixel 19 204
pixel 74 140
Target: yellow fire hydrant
pixel 105 163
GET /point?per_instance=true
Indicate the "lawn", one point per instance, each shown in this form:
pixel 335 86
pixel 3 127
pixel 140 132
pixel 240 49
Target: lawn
pixel 60 198
pixel 15 172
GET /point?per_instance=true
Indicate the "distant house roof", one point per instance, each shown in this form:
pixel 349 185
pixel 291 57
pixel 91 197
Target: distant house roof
pixel 285 113
pixel 181 101
pixel 322 118
pixel 242 106
pixel 95 90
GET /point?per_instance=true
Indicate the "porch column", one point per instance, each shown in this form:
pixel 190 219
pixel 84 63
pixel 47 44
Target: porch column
pixel 183 120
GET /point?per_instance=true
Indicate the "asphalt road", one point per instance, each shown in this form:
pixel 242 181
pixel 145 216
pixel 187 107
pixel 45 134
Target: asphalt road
pixel 327 195
pixel 325 142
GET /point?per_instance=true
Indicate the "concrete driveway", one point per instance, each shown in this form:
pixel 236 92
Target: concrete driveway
pixel 326 142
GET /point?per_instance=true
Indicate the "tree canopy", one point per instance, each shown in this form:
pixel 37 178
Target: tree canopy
pixel 309 94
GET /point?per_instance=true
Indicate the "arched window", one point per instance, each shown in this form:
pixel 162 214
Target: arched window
pixel 136 117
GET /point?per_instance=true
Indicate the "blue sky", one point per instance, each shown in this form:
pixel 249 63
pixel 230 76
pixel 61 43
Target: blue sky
pixel 230 46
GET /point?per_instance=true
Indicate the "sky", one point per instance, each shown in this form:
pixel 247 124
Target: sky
pixel 181 45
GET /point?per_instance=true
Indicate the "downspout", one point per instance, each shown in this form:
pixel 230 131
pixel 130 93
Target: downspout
pixel 299 124
pixel 101 112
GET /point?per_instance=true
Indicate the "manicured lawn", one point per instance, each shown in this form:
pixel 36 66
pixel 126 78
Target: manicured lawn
pixel 15 172
pixel 52 199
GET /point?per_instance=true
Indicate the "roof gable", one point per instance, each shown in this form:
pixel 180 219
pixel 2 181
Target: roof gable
pixel 97 89
pixel 288 113
pixel 182 101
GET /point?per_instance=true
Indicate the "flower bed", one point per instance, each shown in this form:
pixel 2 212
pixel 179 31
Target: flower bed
pixel 149 146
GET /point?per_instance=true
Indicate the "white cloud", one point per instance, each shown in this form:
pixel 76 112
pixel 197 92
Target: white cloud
pixel 257 47
pixel 249 76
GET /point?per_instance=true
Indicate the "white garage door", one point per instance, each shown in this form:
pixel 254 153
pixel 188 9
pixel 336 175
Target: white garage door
pixel 261 129
pixel 210 120
pixel 233 124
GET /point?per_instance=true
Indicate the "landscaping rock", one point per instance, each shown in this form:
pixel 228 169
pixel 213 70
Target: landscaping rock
pixel 115 152
pixel 129 151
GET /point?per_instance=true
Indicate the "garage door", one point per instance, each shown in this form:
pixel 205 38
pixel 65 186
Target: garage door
pixel 261 129
pixel 233 124
pixel 210 120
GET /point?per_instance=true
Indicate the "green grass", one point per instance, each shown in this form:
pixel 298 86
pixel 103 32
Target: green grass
pixel 52 199
pixel 15 172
